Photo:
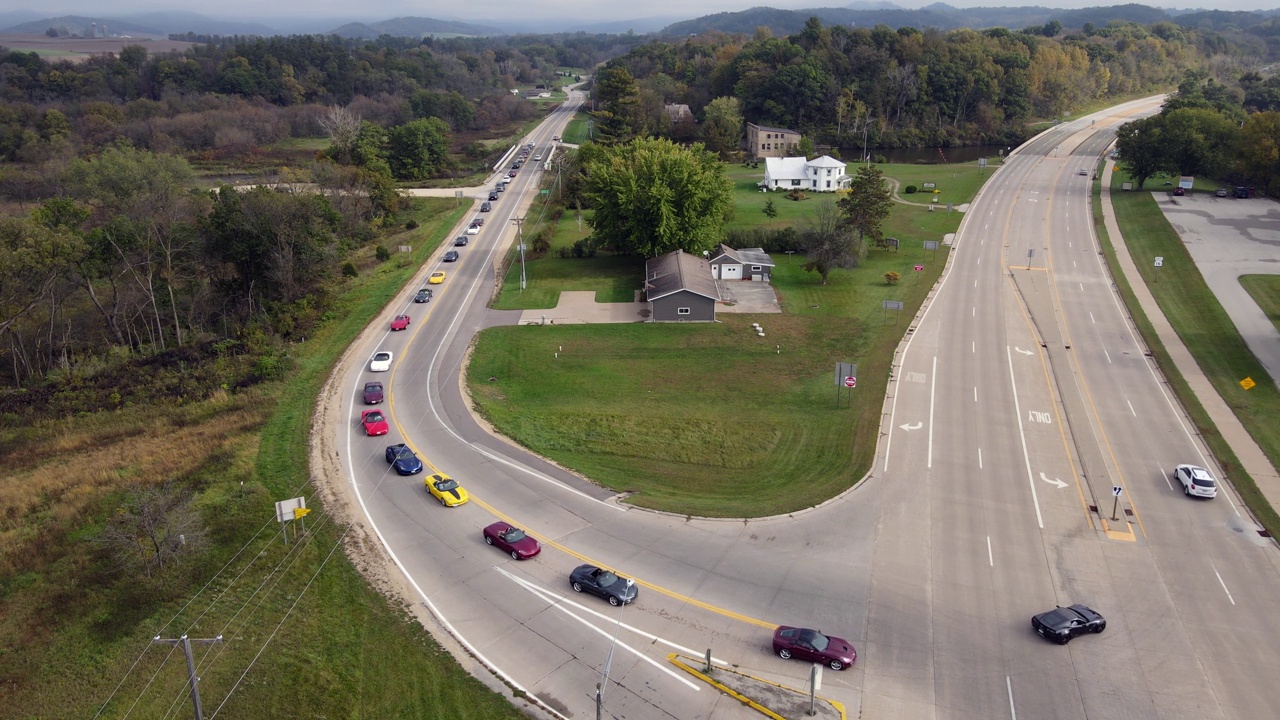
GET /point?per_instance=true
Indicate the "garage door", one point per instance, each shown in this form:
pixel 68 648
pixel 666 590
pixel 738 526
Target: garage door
pixel 730 272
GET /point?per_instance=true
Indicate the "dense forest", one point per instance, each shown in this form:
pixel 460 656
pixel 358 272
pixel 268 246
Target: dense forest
pixel 905 88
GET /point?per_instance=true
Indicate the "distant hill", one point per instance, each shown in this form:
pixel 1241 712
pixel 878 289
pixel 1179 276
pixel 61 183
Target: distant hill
pixel 947 17
pixel 412 27
pixel 189 22
pixel 80 25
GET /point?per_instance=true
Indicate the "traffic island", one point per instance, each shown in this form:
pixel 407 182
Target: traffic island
pixel 768 698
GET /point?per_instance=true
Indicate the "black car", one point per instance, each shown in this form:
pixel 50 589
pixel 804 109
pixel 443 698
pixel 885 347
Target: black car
pixel 461 242
pixel 598 581
pixel 485 207
pixel 404 460
pixel 1063 623
pixel 493 196
pixel 451 256
pixel 424 295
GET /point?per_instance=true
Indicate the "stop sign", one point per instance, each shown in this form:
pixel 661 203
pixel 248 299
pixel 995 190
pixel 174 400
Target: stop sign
pixel 851 381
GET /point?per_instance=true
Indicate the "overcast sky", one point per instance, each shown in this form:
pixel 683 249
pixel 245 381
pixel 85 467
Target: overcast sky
pixel 494 10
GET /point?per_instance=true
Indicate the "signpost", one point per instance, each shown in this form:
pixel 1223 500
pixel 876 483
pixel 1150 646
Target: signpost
pixel 1159 264
pixel 846 377
pixel 888 305
pixel 1116 491
pixel 851 382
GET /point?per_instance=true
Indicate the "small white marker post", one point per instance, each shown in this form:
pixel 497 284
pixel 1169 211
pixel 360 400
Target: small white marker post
pixel 1116 490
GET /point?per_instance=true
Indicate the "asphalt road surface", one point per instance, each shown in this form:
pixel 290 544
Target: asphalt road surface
pixel 976 515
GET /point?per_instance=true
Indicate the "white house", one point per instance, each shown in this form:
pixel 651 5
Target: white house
pixel 824 174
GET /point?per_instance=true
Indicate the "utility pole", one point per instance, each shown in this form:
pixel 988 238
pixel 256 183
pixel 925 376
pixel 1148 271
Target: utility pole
pixel 194 681
pixel 520 241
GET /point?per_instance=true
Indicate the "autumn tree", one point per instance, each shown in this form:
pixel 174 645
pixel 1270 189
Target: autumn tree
pixel 653 196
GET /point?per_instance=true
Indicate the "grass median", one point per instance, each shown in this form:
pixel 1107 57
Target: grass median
pixel 711 419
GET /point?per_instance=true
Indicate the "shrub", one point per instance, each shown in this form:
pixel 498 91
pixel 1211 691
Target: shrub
pixel 411 225
pixel 891 277
pixel 382 253
pixel 796 195
pixel 910 189
pixel 349 270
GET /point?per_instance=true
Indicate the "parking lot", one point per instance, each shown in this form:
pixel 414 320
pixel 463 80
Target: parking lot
pixel 1229 237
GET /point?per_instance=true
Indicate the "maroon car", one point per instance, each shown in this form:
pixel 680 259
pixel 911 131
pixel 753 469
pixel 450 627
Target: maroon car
pixel 372 393
pixel 805 644
pixel 511 174
pixel 511 540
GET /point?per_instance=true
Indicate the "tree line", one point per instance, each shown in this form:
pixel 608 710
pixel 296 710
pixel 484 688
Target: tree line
pixel 846 87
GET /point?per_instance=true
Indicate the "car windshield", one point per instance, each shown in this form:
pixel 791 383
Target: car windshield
pixel 606 579
pixel 373 387
pixel 447 484
pixel 1061 616
pixel 373 417
pixel 815 639
pixel 382 357
pixel 513 535
pixel 404 453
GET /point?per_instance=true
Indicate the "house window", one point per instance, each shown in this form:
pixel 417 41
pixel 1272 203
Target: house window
pixel 795 183
pixel 828 173
pixel 683 311
pixel 755 268
pixel 828 184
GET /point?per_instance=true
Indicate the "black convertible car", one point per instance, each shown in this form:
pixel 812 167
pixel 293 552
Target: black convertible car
pixel 598 581
pixel 1063 623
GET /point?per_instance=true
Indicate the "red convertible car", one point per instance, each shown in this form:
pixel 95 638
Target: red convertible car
pixel 511 540
pixel 375 423
pixel 400 323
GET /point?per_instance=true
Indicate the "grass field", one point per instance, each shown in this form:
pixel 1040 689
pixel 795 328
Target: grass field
pixel 575 133
pixel 1207 332
pixel 341 650
pixel 1265 290
pixel 671 428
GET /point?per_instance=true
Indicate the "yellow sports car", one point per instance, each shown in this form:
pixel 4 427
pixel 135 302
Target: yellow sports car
pixel 436 278
pixel 446 490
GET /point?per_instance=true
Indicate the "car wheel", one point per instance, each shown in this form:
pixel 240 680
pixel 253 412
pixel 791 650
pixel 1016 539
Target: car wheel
pixel 515 555
pixel 1186 491
pixel 784 653
pixel 1064 639
pixel 442 502
pixel 577 587
pixel 1100 628
pixel 836 665
pixel 614 601
pixel 488 540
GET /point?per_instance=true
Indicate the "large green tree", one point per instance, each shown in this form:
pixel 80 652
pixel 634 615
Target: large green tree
pixel 829 242
pixel 1142 149
pixel 867 205
pixel 653 196
pixel 722 127
pixel 616 97
pixel 418 149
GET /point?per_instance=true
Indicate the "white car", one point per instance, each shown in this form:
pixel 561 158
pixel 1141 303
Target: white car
pixel 1196 481
pixel 473 230
pixel 381 361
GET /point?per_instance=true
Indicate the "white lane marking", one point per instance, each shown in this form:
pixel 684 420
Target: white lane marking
pixel 990 558
pixel 1073 263
pixel 1054 481
pixel 1026 456
pixel 1135 412
pixel 979 458
pixel 563 604
pixel 973 312
pixel 1104 352
pixel 1008 683
pixel 933 386
pixel 1068 243
pixel 911 426
pixel 1224 585
pixel 1167 478
pixel 1022 352
pixel 979 259
pixel 975 393
pixel 1091 318
pixel 1081 287
pixel 973 346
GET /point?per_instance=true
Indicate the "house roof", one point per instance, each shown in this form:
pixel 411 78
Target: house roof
pixel 826 161
pixel 767 128
pixel 676 271
pixel 744 256
pixel 788 168
pixel 678 113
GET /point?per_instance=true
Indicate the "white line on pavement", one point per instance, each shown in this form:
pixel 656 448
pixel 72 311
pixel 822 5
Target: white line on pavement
pixel 1135 412
pixel 979 458
pixel 933 385
pixel 1168 481
pixel 1104 352
pixel 1224 586
pixel 990 558
pixel 1008 683
pixel 1026 456
pixel 975 393
pixel 1091 318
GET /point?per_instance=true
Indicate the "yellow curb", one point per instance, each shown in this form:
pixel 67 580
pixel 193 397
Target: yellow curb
pixel 672 658
pixel 1126 534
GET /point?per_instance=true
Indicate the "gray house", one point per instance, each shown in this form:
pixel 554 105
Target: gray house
pixel 742 264
pixel 679 288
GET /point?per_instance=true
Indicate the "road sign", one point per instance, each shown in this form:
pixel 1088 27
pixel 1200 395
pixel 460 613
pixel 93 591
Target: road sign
pixel 919 268
pixel 1248 383
pixel 845 370
pixel 930 244
pixel 1117 490
pixel 1159 261
pixel 851 382
pixel 892 304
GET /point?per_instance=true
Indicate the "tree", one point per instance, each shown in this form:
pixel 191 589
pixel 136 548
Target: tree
pixel 769 210
pixel 722 127
pixel 342 125
pixel 152 529
pixel 616 96
pixel 1142 148
pixel 418 149
pixel 1198 141
pixel 829 242
pixel 33 256
pixel 1259 156
pixel 867 204
pixel 652 196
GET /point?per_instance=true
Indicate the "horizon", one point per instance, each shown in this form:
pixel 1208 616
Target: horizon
pixel 506 12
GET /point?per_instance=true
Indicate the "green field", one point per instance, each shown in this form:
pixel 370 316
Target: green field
pixel 1206 330
pixel 575 133
pixel 670 428
pixel 340 648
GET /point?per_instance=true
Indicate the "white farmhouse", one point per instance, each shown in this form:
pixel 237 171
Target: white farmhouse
pixel 824 174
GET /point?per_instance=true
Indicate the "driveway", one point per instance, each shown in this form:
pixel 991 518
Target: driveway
pixel 1227 238
pixel 577 307
pixel 746 296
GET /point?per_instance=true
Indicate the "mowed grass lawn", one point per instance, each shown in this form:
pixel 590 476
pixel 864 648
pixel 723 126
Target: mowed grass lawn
pixel 710 419
pixel 1207 331
pixel 1265 290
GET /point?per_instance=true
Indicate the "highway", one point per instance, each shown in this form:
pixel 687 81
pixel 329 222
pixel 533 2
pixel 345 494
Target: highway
pixel 1020 398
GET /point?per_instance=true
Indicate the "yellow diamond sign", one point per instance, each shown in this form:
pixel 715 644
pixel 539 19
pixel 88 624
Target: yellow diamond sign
pixel 1247 383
